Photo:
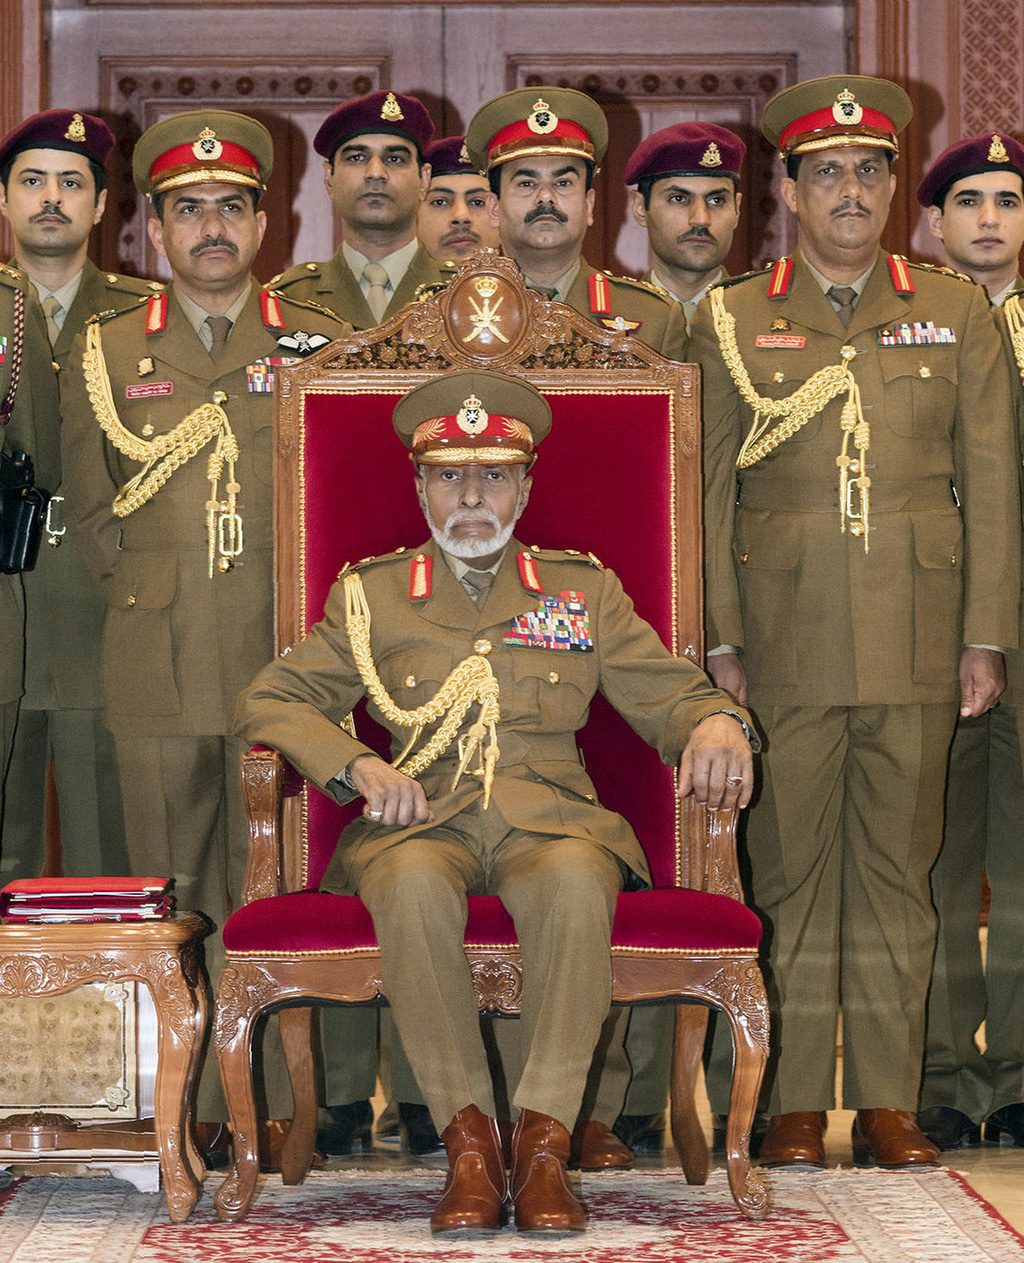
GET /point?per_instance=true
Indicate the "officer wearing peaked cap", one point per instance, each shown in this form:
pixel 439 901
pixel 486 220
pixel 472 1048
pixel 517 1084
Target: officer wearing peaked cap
pixel 844 391
pixel 168 423
pixel 687 197
pixel 520 826
pixel 376 177
pixel 541 148
pixel 974 199
pixel 54 192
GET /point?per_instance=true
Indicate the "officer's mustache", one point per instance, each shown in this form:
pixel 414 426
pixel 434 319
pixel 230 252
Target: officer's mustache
pixel 211 243
pixel 850 205
pixel 545 208
pixel 51 211
pixel 698 230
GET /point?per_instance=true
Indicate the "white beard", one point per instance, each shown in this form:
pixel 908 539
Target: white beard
pixel 467 549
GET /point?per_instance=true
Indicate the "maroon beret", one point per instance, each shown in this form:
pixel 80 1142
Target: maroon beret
pixel 448 156
pixel 380 113
pixel 988 152
pixel 71 130
pixel 687 149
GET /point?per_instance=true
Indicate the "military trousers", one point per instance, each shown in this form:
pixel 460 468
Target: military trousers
pixel 185 818
pixel 81 749
pixel 561 894
pixel 8 721
pixel 984 831
pixel 841 842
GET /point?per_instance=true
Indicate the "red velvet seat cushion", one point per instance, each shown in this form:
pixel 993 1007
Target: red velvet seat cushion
pixel 681 920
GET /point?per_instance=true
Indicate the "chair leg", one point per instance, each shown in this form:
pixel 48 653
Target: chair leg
pixel 239 1004
pixel 687 1052
pixel 297 1041
pixel 749 1026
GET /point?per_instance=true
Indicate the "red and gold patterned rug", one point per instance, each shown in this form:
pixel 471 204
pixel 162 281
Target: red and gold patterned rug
pixel 643 1217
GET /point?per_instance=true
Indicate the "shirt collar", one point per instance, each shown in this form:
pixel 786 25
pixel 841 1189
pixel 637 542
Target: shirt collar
pixel 396 264
pixel 826 284
pixel 66 295
pixel 196 315
pixel 563 285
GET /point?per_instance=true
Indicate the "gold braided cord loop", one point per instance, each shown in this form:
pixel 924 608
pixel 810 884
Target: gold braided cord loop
pixel 1014 314
pixel 162 455
pixel 472 681
pixel 796 410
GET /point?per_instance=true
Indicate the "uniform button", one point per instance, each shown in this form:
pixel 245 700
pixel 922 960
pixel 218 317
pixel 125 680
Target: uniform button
pixel 55 366
pixel 589 797
pixel 131 599
pixel 743 558
pixel 482 646
pixel 855 467
pixel 148 430
pixel 311 267
pixel 554 677
pixel 952 559
pixel 410 681
pixel 856 529
pixel 780 376
pixel 219 397
pixel 224 564
pixel 400 550
pixel 925 371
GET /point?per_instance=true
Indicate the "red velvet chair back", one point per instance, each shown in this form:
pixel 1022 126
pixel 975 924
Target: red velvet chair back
pixel 618 477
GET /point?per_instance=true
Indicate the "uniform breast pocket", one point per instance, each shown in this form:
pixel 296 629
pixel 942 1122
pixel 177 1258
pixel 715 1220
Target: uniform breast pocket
pixel 920 390
pixel 786 380
pixel 767 555
pixel 138 646
pixel 263 453
pixel 556 685
pixel 938 596
pixel 412 676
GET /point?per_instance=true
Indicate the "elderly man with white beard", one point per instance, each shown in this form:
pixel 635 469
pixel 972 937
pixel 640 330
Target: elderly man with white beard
pixel 505 806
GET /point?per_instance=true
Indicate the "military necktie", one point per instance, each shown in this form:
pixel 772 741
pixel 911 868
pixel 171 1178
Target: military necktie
pixel 220 327
pixel 479 582
pixel 377 295
pixel 51 310
pixel 844 296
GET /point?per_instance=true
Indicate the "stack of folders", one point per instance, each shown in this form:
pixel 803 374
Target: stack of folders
pixel 74 900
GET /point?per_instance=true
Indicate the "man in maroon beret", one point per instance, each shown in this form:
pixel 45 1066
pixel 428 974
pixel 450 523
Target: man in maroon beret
pixel 52 194
pixel 974 200
pixel 459 213
pixel 376 177
pixel 687 197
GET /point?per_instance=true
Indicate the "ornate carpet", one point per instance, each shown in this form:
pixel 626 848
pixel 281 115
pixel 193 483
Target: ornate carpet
pixel 642 1217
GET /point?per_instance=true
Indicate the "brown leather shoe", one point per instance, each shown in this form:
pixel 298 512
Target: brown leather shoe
pixel 891 1138
pixel 595 1147
pixel 273 1132
pixel 543 1199
pixel 476 1189
pixel 795 1140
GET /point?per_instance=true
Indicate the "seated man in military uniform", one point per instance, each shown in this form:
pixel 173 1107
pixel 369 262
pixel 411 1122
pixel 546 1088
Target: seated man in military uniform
pixel 524 824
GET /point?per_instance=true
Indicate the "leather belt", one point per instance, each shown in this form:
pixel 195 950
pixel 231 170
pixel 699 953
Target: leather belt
pixel 786 495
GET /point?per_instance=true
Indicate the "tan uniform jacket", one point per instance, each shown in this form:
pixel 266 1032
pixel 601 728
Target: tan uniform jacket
pixel 661 325
pixel 35 405
pixel 333 285
pixel 64 605
pixel 179 645
pixel 820 622
pixel 1014 694
pixel 295 703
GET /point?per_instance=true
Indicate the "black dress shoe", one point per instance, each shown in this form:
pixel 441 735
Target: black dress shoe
pixel 643 1133
pixel 418 1129
pixel 1008 1121
pixel 948 1128
pixel 213 1140
pixel 719 1122
pixel 350 1125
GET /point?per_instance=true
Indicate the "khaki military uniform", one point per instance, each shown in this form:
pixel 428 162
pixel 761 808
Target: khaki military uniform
pixel 658 319
pixel 984 810
pixel 178 644
pixel 333 285
pixel 852 655
pixel 33 402
pixel 542 807
pixel 61 713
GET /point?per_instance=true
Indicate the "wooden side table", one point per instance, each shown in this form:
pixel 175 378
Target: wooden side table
pixel 38 960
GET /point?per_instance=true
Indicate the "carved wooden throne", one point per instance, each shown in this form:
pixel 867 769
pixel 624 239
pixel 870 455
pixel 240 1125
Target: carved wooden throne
pixel 619 476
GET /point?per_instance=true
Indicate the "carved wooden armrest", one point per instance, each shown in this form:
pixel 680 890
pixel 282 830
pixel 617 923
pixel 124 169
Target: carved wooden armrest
pixel 709 851
pixel 263 785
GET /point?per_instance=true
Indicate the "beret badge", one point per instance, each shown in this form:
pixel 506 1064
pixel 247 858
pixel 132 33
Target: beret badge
pixel 391 111
pixel 997 151
pixel 711 157
pixel 76 130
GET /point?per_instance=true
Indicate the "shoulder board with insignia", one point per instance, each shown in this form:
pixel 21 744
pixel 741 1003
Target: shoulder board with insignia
pixel 942 270
pixel 728 281
pixel 299 272
pixel 566 554
pixel 428 289
pixel 101 317
pixel 637 283
pixel 131 284
pixel 12 278
pixel 305 304
pixel 364 562
pixel 899 274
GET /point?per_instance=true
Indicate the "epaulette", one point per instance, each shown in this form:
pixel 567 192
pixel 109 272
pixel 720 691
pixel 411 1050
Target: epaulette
pixel 429 288
pixel 13 278
pixel 364 562
pixel 132 284
pixel 567 554
pixel 727 281
pixel 298 272
pixel 942 269
pixel 101 317
pixel 637 283
pixel 304 304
